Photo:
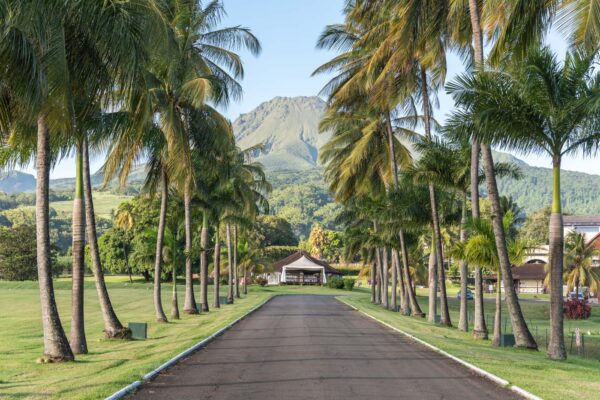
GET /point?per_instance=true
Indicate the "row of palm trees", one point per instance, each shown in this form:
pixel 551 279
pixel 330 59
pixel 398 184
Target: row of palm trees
pixel 138 81
pixel 392 61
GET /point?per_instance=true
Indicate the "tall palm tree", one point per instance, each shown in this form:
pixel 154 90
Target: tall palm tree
pixel 556 115
pixel 42 54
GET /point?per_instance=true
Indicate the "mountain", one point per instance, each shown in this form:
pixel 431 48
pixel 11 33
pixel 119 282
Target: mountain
pixel 288 127
pixel 16 182
pixel 21 182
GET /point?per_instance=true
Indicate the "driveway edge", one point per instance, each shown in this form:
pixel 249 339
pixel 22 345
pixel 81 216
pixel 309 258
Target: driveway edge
pixel 134 385
pixel 479 371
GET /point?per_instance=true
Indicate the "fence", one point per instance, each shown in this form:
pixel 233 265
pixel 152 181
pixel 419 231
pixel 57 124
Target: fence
pixel 588 345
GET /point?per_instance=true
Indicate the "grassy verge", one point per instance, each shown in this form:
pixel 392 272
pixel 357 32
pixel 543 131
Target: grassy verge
pixel 527 369
pixel 111 364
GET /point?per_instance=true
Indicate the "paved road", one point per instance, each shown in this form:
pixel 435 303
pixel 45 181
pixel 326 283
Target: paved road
pixel 313 347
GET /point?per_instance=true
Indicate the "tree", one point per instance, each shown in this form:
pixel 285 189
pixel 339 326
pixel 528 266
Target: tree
pixel 480 249
pixel 578 261
pixel 17 253
pixel 535 227
pixel 125 221
pixel 552 110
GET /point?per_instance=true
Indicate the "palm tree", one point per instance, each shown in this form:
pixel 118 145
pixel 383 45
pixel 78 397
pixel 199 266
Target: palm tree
pixel 125 221
pixel 480 249
pixel 44 58
pixel 552 111
pixel 578 260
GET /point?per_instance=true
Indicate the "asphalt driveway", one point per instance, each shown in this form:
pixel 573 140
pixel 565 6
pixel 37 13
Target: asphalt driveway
pixel 314 347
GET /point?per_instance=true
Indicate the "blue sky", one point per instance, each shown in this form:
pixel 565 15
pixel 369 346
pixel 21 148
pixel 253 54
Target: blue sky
pixel 288 31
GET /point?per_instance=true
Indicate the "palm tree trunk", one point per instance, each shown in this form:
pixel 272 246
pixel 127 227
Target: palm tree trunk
pixel 479 326
pixel 431 317
pixel 480 330
pixel 463 319
pixel 556 344
pixel 56 345
pixel 378 277
pixel 385 275
pixel 77 338
pixel 410 291
pixel 498 313
pixel 523 337
pixel 160 314
pixel 235 263
pixel 189 304
pixel 127 266
pixel 373 285
pixel 444 312
pixel 217 269
pixel 245 283
pixel 174 302
pixel 394 296
pixel 204 264
pixel 229 266
pixel 112 326
pixel 404 306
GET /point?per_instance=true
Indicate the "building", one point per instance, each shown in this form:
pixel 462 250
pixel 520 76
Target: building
pixel 527 278
pixel 301 269
pixel 589 225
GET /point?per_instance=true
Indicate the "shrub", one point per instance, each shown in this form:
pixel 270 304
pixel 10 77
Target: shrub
pixel 335 282
pixel 18 257
pixel 349 284
pixel 261 281
pixel 576 309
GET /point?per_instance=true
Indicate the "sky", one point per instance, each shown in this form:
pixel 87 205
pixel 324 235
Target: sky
pixel 288 31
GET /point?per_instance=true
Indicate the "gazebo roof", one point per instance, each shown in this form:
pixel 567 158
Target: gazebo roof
pixel 277 266
pixel 531 270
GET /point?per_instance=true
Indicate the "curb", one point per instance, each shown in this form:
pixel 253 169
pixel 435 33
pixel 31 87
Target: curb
pixel 134 385
pixel 481 372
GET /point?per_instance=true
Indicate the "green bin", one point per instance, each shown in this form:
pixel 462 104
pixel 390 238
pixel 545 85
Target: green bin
pixel 507 340
pixel 139 330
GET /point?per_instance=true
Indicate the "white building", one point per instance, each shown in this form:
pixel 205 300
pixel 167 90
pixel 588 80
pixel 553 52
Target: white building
pixel 589 225
pixel 301 269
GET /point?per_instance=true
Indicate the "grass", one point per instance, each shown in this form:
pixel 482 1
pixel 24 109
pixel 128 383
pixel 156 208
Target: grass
pixel 104 204
pixel 112 364
pixel 531 370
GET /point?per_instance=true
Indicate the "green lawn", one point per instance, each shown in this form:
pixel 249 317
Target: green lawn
pixel 113 364
pixel 104 204
pixel 574 378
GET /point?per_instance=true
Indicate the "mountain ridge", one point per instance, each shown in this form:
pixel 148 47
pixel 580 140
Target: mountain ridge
pixel 288 127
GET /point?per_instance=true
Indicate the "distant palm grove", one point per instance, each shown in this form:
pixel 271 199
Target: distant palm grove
pixel 417 201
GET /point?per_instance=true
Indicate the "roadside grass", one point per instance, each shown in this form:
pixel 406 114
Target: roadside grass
pixel 104 204
pixel 111 364
pixel 531 370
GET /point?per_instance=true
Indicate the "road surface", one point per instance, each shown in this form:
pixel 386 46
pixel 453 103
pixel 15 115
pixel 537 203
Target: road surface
pixel 314 347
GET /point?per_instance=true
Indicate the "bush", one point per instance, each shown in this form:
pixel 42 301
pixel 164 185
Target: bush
pixel 261 281
pixel 576 309
pixel 349 284
pixel 18 257
pixel 335 282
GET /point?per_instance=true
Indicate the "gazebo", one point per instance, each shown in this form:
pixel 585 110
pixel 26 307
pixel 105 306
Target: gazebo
pixel 301 268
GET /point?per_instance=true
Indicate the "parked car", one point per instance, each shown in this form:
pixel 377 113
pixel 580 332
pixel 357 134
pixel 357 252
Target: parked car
pixel 573 295
pixel 469 294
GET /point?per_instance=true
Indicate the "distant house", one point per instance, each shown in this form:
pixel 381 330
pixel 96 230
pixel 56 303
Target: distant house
pixel 527 278
pixel 301 269
pixel 589 225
